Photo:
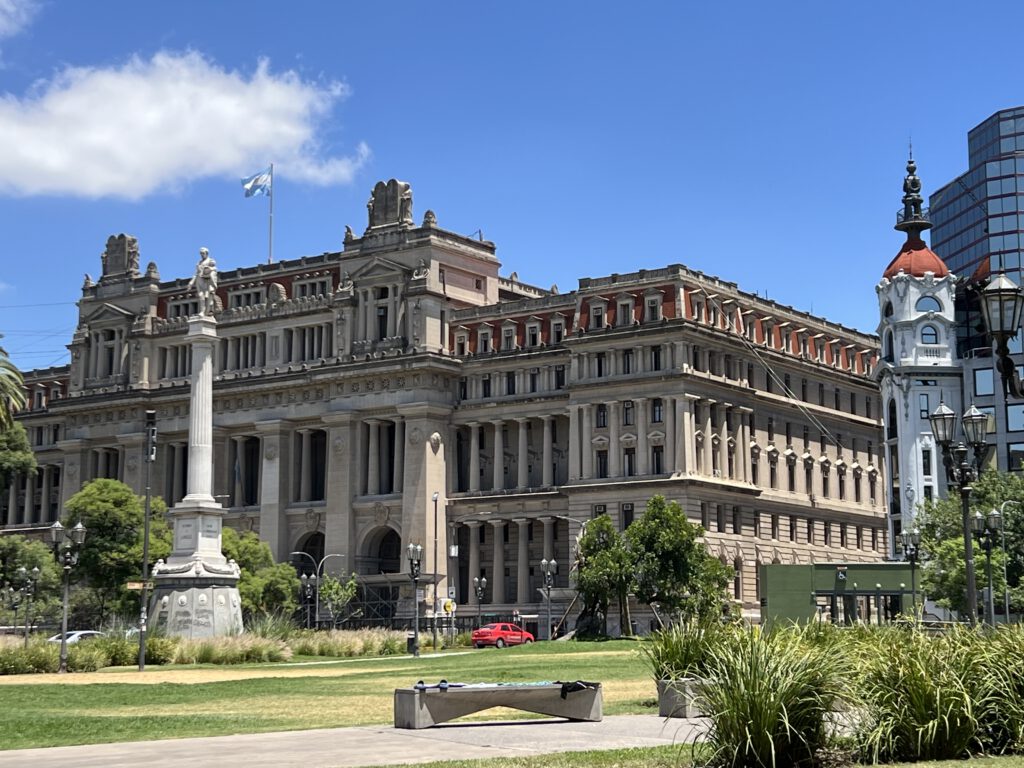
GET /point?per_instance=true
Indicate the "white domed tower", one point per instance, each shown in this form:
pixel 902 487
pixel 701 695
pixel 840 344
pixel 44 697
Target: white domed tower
pixel 919 368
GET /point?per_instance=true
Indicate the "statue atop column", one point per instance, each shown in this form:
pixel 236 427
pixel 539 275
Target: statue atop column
pixel 205 283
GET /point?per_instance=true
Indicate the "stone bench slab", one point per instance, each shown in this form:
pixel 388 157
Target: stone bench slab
pixel 424 707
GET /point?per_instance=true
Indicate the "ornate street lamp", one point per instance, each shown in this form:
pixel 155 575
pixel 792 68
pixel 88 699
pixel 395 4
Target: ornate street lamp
pixel 550 568
pixel 66 546
pixel 962 474
pixel 318 574
pixel 310 597
pixel 479 585
pixel 986 528
pixel 415 553
pixel 1001 305
pixel 911 549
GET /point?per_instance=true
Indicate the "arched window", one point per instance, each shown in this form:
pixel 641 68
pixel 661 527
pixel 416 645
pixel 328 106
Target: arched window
pixel 928 304
pixel 929 335
pixel 888 309
pixel 892 430
pixel 889 357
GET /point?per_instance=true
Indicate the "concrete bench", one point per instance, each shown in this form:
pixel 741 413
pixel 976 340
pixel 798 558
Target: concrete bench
pixel 422 706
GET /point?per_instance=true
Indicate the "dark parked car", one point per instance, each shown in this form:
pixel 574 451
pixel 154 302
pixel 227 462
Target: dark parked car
pixel 500 634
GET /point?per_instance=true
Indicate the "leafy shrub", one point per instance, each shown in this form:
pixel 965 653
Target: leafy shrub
pixel 120 651
pixel 160 649
pixel 1002 714
pixel 769 698
pixel 922 695
pixel 680 650
pixel 87 657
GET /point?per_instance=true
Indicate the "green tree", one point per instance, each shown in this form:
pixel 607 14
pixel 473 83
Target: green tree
pixel 18 552
pixel 15 454
pixel 672 567
pixel 265 587
pixel 944 576
pixel 335 594
pixel 604 570
pixel 12 390
pixel 112 554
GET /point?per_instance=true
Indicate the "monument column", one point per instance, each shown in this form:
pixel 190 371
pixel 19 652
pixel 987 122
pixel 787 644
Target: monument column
pixel 196 593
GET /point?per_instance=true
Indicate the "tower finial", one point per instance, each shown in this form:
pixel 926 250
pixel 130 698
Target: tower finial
pixel 913 219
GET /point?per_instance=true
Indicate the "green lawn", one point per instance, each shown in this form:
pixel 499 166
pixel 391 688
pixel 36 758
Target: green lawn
pixel 117 705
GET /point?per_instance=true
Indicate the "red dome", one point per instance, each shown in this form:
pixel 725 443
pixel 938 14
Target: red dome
pixel 915 258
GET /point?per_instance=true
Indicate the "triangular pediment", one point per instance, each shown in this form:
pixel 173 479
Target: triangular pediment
pixel 108 313
pixel 378 267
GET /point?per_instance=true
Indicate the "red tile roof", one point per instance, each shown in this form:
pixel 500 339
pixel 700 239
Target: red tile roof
pixel 915 258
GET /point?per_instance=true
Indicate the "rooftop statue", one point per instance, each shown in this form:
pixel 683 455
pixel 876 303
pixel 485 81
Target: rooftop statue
pixel 205 282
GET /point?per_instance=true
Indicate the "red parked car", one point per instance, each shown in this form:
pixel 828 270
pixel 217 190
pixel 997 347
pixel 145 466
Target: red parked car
pixel 499 635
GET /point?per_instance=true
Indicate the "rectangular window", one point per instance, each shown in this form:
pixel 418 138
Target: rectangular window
pixel 627 515
pixel 983 382
pixel 922 405
pixel 485 386
pixel 775 526
pixel 602 463
pixel 821 395
pixel 926 462
pixel 559 377
pixel 652 310
pixel 597 317
pixel 627 361
pixel 602 415
pixel 792 527
pixel 460 346
pixel 510 383
pixel 853 403
pixel 655 358
pixel 534 380
pixel 600 364
pixel 509 339
pixel 810 531
pixel 533 336
pixel 827 527
pixel 705 516
pixel 557 331
pixel 625 313
pixel 721 518
pixel 928 493
pixel 1015 418
pixel 629 462
pixel 835 399
pixel 737 521
pixel 463 389
pixel 484 343
pixel 597 510
pixel 658 460
pixel 627 413
pixel 657 410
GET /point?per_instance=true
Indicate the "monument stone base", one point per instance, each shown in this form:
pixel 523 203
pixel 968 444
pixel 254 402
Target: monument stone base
pixel 196 608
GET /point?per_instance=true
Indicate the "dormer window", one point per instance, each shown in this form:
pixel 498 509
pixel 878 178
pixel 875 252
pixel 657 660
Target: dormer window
pixel 928 304
pixel 929 335
pixel 483 344
pixel 533 334
pixel 508 338
pixel 652 309
pixel 461 344
pixel 597 314
pixel 320 286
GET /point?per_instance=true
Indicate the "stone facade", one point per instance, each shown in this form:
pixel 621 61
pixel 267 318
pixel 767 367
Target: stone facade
pixel 350 387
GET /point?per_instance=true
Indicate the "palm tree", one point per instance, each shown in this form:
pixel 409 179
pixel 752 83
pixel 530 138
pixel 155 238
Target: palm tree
pixel 12 390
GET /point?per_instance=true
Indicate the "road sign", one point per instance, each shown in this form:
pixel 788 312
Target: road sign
pixel 137 585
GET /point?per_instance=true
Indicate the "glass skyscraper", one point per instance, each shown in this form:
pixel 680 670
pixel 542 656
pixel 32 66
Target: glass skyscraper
pixel 978 229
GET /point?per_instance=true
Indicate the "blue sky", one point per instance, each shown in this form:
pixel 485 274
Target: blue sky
pixel 761 142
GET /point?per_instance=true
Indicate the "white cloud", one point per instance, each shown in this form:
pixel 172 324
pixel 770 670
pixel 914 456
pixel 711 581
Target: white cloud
pixel 151 125
pixel 15 15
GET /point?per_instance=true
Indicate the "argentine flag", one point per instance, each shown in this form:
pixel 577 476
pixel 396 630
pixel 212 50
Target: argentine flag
pixel 259 184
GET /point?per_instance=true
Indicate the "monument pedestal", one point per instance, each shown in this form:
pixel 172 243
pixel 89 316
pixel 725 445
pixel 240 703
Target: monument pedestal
pixel 195 593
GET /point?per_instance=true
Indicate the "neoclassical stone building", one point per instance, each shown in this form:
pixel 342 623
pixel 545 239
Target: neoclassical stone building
pixel 353 386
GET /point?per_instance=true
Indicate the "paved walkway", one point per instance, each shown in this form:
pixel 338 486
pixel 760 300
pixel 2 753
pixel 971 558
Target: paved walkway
pixel 366 745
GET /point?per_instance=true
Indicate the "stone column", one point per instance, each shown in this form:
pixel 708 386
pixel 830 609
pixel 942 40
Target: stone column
pixel 396 464
pixel 748 472
pixel 474 557
pixel 306 465
pixel 28 515
pixel 474 457
pixel 547 470
pixel 574 442
pixel 498 480
pixel 709 462
pixel 723 442
pixel 523 562
pixel 340 487
pixel 668 411
pixel 614 447
pixel 688 449
pixel 237 484
pixel 44 507
pixel 12 499
pixel 498 582
pixel 587 447
pixel 373 458
pixel 643 450
pixel 522 456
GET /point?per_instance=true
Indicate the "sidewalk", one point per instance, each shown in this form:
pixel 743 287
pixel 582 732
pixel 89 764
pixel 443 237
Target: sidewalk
pixel 367 745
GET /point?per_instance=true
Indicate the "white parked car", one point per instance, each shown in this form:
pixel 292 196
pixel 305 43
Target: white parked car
pixel 77 635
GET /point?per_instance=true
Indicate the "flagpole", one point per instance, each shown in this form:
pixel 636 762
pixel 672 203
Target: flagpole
pixel 270 236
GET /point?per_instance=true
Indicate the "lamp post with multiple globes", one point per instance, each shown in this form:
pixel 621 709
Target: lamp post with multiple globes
pixel 66 546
